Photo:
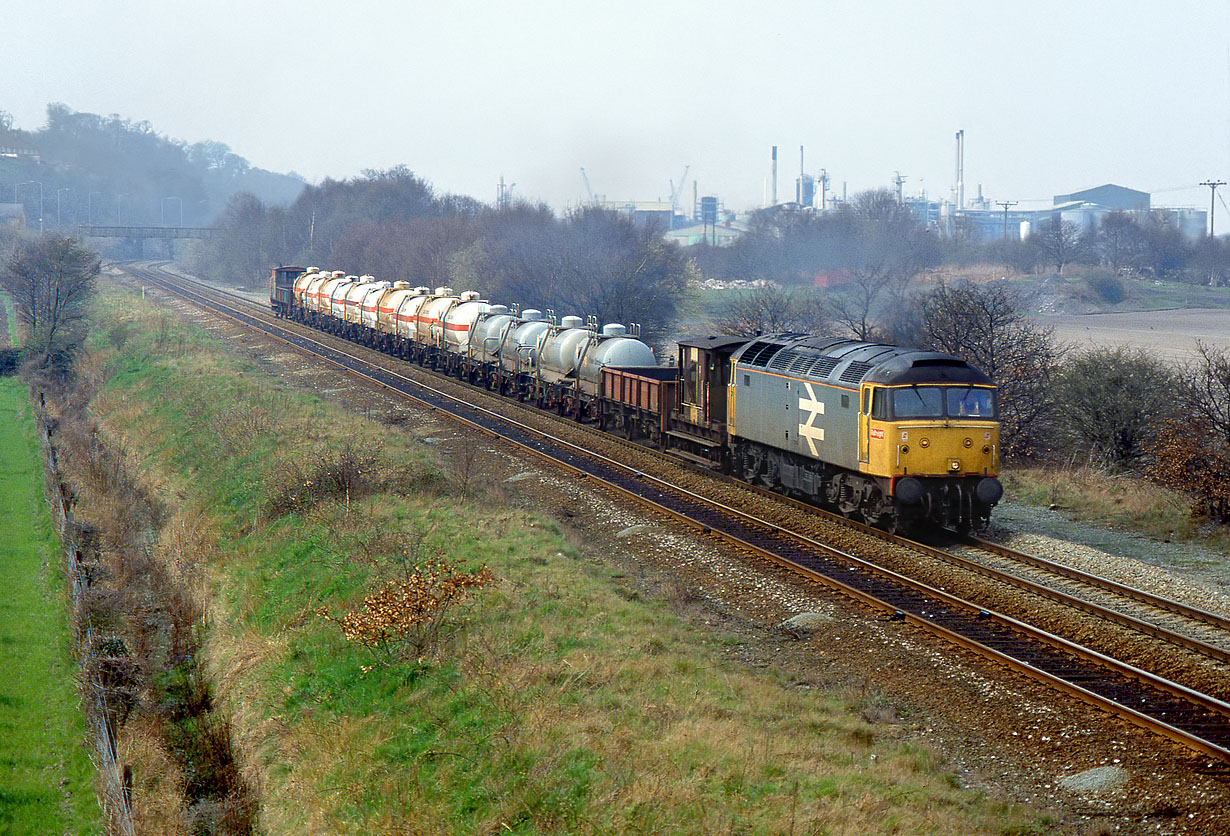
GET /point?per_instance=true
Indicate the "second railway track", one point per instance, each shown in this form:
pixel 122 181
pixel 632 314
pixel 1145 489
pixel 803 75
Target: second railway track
pixel 1190 712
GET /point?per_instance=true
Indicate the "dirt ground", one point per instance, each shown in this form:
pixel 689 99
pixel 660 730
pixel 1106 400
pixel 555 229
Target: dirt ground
pixel 1169 334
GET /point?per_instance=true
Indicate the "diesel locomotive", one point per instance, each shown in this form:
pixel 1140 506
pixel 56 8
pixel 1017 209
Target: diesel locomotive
pixel 898 437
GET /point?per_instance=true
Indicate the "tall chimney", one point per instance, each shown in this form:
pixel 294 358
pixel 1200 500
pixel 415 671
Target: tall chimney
pixel 774 175
pixel 961 169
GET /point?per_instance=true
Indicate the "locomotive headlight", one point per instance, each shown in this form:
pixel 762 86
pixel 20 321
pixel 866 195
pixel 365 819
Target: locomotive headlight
pixel 923 442
pixel 969 442
pixel 986 451
pixel 905 448
pixel 954 464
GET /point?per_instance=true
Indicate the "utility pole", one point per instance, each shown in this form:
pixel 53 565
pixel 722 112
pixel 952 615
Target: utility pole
pixel 1005 204
pixel 1212 184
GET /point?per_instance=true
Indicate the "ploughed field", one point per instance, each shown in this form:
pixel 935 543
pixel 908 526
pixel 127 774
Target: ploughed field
pixel 1169 334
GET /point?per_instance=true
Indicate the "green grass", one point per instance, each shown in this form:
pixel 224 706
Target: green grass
pixel 47 776
pixel 556 702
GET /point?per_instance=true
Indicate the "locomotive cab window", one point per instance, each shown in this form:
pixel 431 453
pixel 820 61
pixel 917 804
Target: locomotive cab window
pixel 914 402
pixel 879 405
pixel 918 402
pixel 968 402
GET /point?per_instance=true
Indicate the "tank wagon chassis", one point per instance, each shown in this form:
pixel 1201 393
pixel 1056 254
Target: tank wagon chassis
pixel 721 406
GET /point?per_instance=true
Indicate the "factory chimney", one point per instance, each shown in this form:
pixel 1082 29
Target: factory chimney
pixel 774 175
pixel 960 188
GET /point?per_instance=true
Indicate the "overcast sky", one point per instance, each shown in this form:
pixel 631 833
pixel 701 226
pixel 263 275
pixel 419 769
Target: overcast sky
pixel 1052 96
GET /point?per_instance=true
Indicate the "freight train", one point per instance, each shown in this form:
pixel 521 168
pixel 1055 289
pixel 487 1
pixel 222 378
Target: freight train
pixel 899 437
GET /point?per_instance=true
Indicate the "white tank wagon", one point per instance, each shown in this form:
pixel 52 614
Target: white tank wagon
pixel 356 296
pixel 518 353
pixel 613 348
pixel 560 348
pixel 341 296
pixel 430 315
pixel 331 301
pixel 314 283
pixel 407 320
pixel 368 333
pixel 452 335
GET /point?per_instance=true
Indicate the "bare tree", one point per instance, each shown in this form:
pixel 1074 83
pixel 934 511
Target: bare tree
pixel 1063 242
pixel 986 325
pixel 1119 240
pixel 1208 385
pixel 769 308
pixel 1114 402
pixel 51 280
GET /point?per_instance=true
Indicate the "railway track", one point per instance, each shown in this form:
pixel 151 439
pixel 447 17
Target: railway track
pixel 1187 715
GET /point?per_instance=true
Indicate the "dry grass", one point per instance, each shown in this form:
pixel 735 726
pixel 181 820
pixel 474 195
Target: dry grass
pixel 1125 501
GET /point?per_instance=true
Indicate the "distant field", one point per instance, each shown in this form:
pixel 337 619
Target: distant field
pixel 1170 334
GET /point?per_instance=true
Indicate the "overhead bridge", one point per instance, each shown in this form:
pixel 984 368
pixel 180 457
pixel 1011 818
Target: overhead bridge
pixel 145 231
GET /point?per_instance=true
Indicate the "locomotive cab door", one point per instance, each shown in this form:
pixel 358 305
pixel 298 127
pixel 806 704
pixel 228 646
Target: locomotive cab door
pixel 864 424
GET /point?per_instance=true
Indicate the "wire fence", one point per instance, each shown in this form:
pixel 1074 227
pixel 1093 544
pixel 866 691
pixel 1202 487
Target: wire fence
pixel 105 677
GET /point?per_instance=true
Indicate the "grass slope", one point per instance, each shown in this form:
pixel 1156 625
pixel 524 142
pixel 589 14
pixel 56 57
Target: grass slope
pixel 46 776
pixel 556 702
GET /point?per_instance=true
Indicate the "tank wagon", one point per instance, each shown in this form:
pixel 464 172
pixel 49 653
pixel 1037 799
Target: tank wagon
pixel 898 437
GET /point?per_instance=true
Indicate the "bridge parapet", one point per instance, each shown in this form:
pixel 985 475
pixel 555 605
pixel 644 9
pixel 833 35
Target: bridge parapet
pixel 145 231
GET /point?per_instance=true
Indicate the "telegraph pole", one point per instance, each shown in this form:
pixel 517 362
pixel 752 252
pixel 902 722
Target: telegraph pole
pixel 1005 204
pixel 1212 184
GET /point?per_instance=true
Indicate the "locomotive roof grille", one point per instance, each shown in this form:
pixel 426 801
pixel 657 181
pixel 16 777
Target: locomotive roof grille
pixel 856 371
pixel 760 353
pixel 822 367
pixel 782 359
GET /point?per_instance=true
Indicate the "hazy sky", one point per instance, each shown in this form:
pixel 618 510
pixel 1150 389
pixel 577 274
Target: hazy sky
pixel 1052 96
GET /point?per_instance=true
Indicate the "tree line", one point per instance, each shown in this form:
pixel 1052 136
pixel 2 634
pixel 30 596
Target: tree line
pixel 391 224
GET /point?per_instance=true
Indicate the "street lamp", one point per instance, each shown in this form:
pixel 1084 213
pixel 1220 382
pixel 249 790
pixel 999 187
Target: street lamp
pixel 40 199
pixel 162 208
pixel 65 189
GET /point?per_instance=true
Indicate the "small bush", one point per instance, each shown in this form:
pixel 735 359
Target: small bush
pixel 346 476
pixel 1108 286
pixel 10 361
pixel 405 617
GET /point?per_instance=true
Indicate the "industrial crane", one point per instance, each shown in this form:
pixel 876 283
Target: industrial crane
pixel 588 190
pixel 676 192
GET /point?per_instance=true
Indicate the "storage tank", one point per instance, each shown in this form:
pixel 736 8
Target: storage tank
pixel 520 348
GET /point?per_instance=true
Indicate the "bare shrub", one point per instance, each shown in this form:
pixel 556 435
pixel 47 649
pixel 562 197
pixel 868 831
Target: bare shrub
pixel 347 475
pixel 405 618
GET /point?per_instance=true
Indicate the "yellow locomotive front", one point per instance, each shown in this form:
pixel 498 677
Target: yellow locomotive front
pixel 938 443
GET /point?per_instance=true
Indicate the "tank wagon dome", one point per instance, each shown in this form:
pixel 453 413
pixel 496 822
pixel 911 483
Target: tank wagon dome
pixel 852 362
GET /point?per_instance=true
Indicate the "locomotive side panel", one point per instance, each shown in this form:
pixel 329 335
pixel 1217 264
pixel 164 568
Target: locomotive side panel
pixel 810 419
